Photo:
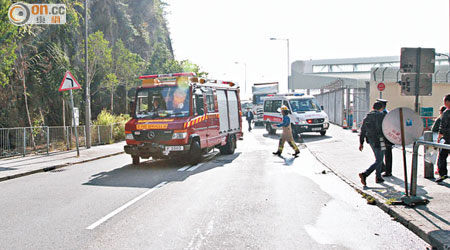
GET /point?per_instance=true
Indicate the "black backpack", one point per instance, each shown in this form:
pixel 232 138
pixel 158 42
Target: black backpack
pixel 372 122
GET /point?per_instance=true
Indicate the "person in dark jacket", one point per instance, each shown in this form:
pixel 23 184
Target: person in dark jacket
pixel 249 116
pixel 437 123
pixel 444 133
pixel 371 132
pixel 387 164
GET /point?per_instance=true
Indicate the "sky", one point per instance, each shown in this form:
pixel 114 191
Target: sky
pixel 217 33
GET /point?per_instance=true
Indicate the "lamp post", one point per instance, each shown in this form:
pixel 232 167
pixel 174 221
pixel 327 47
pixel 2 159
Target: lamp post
pixel 245 68
pixel 86 78
pixel 442 54
pixel 288 64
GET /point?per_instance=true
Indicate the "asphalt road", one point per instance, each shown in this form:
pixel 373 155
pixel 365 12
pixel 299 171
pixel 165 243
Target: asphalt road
pixel 249 200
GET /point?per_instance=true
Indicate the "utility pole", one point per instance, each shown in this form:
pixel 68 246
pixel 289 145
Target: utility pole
pixel 245 79
pixel 86 78
pixel 288 64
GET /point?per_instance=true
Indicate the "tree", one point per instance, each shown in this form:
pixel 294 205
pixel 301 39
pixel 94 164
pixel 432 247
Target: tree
pixel 127 67
pixel 8 34
pixel 99 56
pixel 111 83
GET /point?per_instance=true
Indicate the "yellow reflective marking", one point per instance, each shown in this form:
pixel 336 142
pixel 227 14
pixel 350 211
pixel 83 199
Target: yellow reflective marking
pixel 160 120
pixel 151 126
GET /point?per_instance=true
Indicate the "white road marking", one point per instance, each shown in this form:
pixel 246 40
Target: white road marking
pixel 120 209
pixel 183 168
pixel 195 167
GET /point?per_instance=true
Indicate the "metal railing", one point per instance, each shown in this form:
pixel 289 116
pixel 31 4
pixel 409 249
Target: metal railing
pixel 46 139
pixel 415 161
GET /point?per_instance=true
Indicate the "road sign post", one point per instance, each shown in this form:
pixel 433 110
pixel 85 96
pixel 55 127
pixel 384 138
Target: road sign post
pixel 74 123
pixel 381 87
pixel 69 83
pixel 417 66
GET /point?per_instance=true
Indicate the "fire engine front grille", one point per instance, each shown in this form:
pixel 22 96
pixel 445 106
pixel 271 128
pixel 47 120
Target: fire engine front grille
pixel 153 135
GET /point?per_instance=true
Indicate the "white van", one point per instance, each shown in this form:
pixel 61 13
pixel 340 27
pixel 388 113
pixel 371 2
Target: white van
pixel 306 114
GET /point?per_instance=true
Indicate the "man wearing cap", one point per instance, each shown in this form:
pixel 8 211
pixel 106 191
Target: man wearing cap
pixel 287 133
pixel 387 164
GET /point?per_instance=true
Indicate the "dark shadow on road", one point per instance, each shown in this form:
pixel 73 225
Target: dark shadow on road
pixel 6 169
pixel 150 173
pixel 438 237
pixel 23 160
pixel 444 184
pixel 423 209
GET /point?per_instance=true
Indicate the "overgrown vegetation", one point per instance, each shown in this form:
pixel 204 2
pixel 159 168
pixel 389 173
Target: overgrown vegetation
pixel 118 121
pixel 127 38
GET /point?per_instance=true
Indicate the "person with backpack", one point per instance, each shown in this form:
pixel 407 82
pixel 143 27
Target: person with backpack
pixel 372 133
pixel 437 123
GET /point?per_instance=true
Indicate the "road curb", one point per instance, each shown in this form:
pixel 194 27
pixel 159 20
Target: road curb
pixel 46 169
pixel 435 241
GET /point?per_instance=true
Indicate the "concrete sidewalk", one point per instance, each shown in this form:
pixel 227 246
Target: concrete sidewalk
pixel 339 152
pixel 21 166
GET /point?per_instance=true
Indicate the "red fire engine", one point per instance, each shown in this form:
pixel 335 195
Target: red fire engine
pixel 181 115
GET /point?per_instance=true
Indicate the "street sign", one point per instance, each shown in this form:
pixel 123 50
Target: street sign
pixel 381 86
pixel 408 84
pixel 408 60
pixel 413 126
pixel 69 82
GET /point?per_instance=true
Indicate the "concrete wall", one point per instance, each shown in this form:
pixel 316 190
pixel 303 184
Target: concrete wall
pixel 392 93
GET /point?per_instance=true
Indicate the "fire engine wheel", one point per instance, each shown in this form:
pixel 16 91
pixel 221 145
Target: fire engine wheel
pixel 229 148
pixel 195 152
pixel 323 133
pixel 136 159
pixel 270 130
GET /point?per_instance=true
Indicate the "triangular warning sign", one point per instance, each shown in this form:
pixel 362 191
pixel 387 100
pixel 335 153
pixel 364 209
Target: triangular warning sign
pixel 69 82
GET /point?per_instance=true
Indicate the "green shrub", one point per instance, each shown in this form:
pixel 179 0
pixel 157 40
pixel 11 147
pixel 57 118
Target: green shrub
pixel 106 118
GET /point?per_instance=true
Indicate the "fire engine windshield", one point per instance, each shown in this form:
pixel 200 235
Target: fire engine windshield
pixel 163 101
pixel 303 105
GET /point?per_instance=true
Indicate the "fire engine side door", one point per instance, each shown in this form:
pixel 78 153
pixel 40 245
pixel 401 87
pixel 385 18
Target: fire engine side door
pixel 213 136
pixel 200 122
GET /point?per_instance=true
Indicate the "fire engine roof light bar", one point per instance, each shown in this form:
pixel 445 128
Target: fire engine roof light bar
pixel 167 75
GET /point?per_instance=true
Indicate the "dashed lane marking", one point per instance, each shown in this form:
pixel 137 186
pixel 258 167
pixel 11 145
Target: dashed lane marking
pixel 120 209
pixel 183 168
pixel 195 167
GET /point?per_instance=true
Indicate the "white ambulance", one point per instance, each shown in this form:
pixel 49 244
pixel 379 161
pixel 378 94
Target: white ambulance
pixel 306 113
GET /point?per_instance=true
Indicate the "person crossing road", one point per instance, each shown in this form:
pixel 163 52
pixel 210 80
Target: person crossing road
pixel 287 133
pixel 249 117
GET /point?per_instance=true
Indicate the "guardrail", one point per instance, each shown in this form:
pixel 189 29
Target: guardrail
pixel 46 139
pixel 415 160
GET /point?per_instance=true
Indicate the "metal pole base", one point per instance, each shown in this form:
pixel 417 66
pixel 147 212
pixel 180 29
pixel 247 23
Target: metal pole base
pixel 412 201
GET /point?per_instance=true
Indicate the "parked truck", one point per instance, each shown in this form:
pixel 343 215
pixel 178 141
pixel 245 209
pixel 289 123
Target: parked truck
pixel 259 91
pixel 181 115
